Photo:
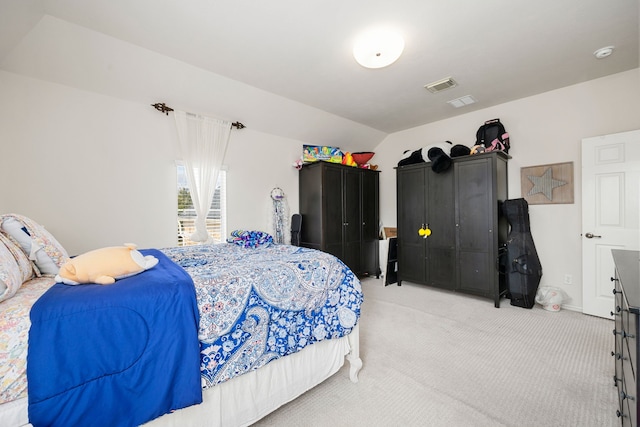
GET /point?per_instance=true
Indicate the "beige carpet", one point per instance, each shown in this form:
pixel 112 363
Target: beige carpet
pixel 435 358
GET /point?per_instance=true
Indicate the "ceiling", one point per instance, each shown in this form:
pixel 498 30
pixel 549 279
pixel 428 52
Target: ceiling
pixel 496 50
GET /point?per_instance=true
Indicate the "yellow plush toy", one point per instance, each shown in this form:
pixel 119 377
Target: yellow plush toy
pixel 104 266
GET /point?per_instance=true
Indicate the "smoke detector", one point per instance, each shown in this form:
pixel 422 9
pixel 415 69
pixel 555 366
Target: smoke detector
pixel 603 52
pixel 441 85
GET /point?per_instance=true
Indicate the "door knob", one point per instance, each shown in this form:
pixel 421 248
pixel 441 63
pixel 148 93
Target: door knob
pixel 591 236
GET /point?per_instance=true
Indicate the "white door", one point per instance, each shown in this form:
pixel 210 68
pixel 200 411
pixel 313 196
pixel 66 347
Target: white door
pixel 610 200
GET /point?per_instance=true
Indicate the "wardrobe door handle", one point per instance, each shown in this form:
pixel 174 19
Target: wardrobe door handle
pixel 424 231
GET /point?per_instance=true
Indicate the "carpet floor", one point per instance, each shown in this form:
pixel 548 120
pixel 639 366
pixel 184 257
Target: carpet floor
pixel 437 358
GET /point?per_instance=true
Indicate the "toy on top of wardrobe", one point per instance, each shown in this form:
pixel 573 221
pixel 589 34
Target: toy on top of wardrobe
pixel 438 154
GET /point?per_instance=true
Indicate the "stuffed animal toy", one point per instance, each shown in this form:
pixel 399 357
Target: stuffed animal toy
pixel 298 164
pixel 104 266
pixel 347 159
pixel 477 149
pixel 439 155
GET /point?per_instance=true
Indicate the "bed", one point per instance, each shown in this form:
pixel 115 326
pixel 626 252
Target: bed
pixel 233 332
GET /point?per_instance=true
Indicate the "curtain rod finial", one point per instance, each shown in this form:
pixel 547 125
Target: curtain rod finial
pixel 162 107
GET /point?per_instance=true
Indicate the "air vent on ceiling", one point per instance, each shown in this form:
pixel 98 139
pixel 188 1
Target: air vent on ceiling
pixel 441 85
pixel 462 101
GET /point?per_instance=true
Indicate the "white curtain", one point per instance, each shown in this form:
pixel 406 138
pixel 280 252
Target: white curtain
pixel 202 146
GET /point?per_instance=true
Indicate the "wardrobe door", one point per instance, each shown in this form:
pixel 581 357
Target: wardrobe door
pixel 370 223
pixel 351 219
pixel 476 216
pixel 311 206
pixel 441 249
pixel 332 199
pixel 411 194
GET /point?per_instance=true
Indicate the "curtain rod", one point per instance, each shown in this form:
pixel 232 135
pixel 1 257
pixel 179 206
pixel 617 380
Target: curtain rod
pixel 164 108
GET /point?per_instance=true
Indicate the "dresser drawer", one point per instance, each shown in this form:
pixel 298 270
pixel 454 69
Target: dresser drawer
pixel 627 407
pixel 631 339
pixel 628 343
pixel 625 412
pixel 628 369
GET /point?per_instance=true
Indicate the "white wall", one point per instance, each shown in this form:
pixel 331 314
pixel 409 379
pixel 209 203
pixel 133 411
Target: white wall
pixel 546 128
pixel 97 170
pixel 258 162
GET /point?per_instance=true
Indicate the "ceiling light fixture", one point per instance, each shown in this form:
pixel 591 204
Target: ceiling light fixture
pixel 603 52
pixel 378 48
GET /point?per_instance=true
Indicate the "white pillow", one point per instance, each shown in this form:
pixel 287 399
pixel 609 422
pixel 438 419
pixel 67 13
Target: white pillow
pixel 10 277
pixel 36 242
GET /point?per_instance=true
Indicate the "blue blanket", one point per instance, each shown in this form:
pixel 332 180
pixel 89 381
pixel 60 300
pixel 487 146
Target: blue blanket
pixel 116 355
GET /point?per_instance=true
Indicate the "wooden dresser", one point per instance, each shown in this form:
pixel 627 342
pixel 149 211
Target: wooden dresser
pixel 626 314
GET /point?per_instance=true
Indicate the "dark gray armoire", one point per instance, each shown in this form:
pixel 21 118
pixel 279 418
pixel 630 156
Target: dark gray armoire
pixel 340 214
pixel 450 225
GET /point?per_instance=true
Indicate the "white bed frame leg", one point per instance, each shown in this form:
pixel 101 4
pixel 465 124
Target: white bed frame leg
pixel 354 355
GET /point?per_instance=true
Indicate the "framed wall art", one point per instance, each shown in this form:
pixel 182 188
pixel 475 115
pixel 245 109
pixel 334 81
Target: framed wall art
pixel 547 184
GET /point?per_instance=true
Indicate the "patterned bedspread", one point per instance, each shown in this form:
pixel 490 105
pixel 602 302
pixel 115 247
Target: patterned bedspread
pixel 259 304
pixel 14 331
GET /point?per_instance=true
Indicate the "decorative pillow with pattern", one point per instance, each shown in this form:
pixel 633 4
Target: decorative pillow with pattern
pixel 250 239
pixel 26 267
pixel 36 242
pixel 10 276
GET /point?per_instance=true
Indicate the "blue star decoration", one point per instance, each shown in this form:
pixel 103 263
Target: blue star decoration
pixel 544 184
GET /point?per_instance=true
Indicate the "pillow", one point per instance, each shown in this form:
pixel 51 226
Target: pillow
pixel 24 265
pixel 39 245
pixel 250 239
pixel 10 276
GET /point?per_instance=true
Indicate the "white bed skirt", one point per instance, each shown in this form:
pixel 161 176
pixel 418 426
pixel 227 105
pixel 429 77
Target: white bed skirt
pixel 14 413
pixel 245 399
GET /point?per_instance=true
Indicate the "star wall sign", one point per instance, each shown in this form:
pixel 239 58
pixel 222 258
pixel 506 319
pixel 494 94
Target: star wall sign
pixel 547 184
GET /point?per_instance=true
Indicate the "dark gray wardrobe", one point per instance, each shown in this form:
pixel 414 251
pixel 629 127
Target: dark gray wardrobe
pixel 340 213
pixel 450 225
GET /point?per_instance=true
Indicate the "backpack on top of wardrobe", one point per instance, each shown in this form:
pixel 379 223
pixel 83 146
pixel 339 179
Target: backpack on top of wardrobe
pixel 493 136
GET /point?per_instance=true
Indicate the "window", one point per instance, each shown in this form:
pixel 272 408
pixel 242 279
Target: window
pixel 216 218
